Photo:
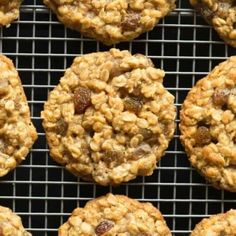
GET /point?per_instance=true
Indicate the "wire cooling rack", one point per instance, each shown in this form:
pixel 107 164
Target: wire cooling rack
pixel 42 192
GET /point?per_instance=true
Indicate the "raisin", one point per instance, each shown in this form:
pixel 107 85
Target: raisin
pixel 133 104
pixel 152 141
pixel 202 136
pixel 113 156
pixel 2 123
pixel 82 99
pixel 61 127
pixel 142 150
pixel 234 139
pixel 146 133
pixel 103 227
pixel 223 233
pixel 131 21
pixel 148 136
pixel 206 12
pixel 123 93
pixel 220 97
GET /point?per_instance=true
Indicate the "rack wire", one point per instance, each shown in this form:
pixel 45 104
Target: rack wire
pixel 41 191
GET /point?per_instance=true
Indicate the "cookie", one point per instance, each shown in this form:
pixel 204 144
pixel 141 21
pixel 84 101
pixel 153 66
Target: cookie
pixel 17 133
pixel 208 125
pixel 218 225
pixel 111 21
pixel 10 223
pixel 9 11
pixel 115 215
pixel 110 118
pixel 221 14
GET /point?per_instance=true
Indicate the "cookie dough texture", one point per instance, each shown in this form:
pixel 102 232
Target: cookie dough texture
pixel 208 125
pixel 221 14
pixel 9 11
pixel 111 21
pixel 217 225
pixel 17 133
pixel 10 223
pixel 110 118
pixel 115 215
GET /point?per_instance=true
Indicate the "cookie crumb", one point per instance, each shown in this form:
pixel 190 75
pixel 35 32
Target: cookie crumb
pixel 133 104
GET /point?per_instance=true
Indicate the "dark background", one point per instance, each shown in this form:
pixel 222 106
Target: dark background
pixel 42 192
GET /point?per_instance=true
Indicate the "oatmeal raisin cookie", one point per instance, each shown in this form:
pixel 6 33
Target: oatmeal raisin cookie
pixel 223 224
pixel 111 21
pixel 208 125
pixel 10 223
pixel 115 215
pixel 17 133
pixel 110 118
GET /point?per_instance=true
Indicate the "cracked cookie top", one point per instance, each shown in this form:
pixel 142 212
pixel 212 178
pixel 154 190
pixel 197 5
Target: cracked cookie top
pixel 115 215
pixel 110 118
pixel 111 21
pixel 218 225
pixel 221 14
pixel 9 11
pixel 17 133
pixel 10 223
pixel 208 125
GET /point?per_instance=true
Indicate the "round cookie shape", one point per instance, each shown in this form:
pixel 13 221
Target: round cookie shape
pixel 115 215
pixel 221 14
pixel 17 133
pixel 10 223
pixel 208 126
pixel 9 11
pixel 111 21
pixel 223 224
pixel 110 118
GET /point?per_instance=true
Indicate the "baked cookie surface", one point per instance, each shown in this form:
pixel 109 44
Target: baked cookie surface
pixel 110 118
pixel 9 11
pixel 111 21
pixel 17 133
pixel 218 225
pixel 208 125
pixel 115 215
pixel 221 14
pixel 10 223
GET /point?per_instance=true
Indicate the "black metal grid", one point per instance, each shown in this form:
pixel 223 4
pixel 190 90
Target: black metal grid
pixel 42 192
